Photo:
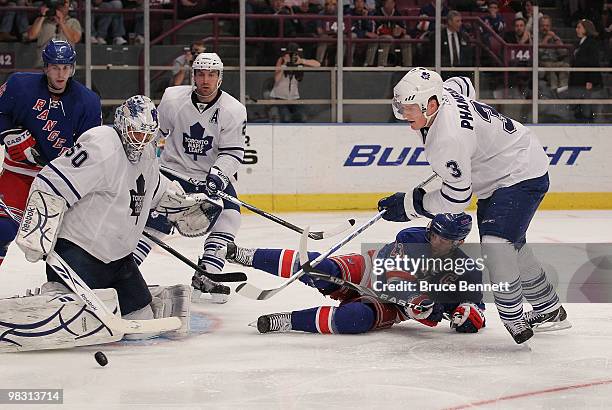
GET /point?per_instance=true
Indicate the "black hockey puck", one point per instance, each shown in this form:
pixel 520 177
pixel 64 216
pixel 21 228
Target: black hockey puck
pixel 101 359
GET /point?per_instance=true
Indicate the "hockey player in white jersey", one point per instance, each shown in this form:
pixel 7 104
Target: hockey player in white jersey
pixel 475 149
pixel 205 131
pixel 102 191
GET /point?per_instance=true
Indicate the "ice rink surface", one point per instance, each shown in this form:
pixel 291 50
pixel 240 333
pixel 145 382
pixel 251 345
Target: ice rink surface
pixel 227 365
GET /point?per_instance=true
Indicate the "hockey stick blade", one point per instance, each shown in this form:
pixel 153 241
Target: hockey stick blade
pixel 318 235
pixel 78 286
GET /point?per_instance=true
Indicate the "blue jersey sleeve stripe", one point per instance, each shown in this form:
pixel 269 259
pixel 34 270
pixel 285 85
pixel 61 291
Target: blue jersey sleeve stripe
pixel 456 201
pixel 231 155
pixel 63 177
pixel 467 86
pixel 158 183
pixel 459 84
pixel 231 149
pixel 457 189
pixel 53 188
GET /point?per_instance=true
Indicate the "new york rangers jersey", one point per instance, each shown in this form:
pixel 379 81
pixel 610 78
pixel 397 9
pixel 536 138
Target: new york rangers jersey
pixel 109 197
pixel 54 120
pixel 200 135
pixel 475 149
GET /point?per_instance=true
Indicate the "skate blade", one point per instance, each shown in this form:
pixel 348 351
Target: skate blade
pixel 204 298
pixel 253 324
pixel 552 326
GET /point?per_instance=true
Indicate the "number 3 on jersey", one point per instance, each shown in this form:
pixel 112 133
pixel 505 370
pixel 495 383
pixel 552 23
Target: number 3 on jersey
pixel 454 169
pixel 80 157
pixel 486 112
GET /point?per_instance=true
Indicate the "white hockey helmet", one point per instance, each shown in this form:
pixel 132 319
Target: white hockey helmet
pixel 207 61
pixel 417 87
pixel 137 122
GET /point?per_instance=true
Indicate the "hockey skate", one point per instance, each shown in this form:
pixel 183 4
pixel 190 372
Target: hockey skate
pixel 217 294
pixel 275 322
pixel 235 254
pixel 547 322
pixel 519 330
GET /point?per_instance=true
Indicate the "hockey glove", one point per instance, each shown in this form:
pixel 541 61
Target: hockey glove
pixel 20 146
pixel 216 181
pixel 467 318
pixel 426 310
pixel 394 205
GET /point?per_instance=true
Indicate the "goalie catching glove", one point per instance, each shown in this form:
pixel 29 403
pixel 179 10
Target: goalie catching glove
pixel 191 214
pixel 39 227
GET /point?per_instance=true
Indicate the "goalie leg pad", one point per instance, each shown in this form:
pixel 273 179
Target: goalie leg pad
pixel 39 227
pixel 174 301
pixel 54 319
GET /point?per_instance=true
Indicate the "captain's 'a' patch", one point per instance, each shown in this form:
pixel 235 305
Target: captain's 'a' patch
pixel 137 197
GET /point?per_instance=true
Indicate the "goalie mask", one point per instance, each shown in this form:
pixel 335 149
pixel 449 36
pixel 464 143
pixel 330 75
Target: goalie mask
pixel 210 62
pixel 417 87
pixel 137 123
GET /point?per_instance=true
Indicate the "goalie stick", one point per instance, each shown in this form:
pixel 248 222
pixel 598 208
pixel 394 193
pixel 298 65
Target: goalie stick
pixel 78 286
pixel 316 235
pixel 253 292
pixel 217 277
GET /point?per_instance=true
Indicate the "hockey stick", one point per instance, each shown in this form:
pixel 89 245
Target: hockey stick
pixel 253 292
pixel 316 235
pixel 78 286
pixel 217 277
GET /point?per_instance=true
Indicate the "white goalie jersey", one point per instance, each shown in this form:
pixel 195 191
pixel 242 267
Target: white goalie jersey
pixel 475 149
pixel 200 135
pixel 108 197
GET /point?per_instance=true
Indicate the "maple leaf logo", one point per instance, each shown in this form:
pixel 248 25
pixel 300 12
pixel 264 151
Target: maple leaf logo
pixel 197 142
pixel 137 197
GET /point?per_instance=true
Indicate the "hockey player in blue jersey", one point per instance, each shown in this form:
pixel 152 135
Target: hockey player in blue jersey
pixel 475 149
pixel 41 116
pixel 360 313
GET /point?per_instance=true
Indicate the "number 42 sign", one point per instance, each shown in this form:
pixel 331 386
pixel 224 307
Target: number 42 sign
pixel 7 59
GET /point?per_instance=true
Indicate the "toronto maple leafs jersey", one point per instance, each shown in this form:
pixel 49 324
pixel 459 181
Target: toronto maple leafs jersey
pixel 109 197
pixel 54 120
pixel 475 149
pixel 200 135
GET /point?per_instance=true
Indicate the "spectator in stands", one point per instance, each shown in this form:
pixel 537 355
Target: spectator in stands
pixel 456 49
pixel 59 26
pixel 363 28
pixel 493 19
pixel 426 27
pixel 520 81
pixel 13 21
pixel 527 14
pixel 181 70
pixel 389 30
pixel 190 8
pixel 326 29
pixel 552 57
pixel 286 82
pixel 584 84
pixel 107 25
pixel 137 33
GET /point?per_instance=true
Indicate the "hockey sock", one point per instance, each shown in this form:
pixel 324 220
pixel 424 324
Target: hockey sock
pixel 538 291
pixel 142 250
pixel 286 262
pixel 8 231
pixel 216 240
pixel 349 318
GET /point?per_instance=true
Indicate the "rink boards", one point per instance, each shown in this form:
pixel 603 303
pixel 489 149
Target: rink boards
pixel 334 167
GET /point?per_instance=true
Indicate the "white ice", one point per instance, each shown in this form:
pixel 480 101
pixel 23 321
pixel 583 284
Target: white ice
pixel 232 366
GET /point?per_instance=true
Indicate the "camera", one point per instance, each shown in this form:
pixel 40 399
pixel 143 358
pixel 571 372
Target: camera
pixel 52 6
pixel 192 51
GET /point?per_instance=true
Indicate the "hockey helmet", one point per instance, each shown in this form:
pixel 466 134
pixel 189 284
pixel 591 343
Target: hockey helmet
pixel 59 52
pixel 207 61
pixel 454 227
pixel 417 87
pixel 137 122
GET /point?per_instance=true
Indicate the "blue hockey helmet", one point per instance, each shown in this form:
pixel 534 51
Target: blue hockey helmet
pixel 454 227
pixel 59 52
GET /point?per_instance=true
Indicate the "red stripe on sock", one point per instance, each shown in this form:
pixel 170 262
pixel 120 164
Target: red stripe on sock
pixel 286 263
pixel 324 319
